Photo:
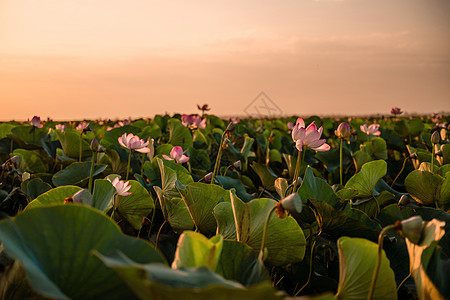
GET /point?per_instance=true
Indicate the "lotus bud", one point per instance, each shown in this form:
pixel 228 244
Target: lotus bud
pixel 396 111
pixel 343 131
pixel 292 203
pixel 435 138
pixel 101 149
pixel 15 160
pixel 208 177
pixel 411 228
pixel 94 145
pixel 78 197
pixel 25 176
pixel 413 155
pixel 237 164
pixel 145 221
pixel 404 200
pixel 225 143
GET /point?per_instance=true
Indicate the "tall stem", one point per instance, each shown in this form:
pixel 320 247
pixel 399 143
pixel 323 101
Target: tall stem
pixel 81 147
pixel 432 158
pixel 128 165
pixel 378 265
pixel 219 153
pixel 297 170
pixel 401 170
pixel 142 164
pixel 91 172
pixel 340 161
pixel 261 253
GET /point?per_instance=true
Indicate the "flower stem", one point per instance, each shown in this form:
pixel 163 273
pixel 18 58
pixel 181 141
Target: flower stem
pixel 401 170
pixel 159 232
pixel 81 147
pixel 142 164
pixel 340 161
pixel 265 230
pixel 297 170
pixel 432 158
pixel 310 266
pixel 128 165
pixel 378 265
pixel 219 154
pixel 91 172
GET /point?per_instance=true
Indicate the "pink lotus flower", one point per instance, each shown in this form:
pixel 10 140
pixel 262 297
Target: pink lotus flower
pixel 235 120
pixel 308 137
pixel 83 125
pixel 371 130
pixel 396 111
pixel 60 127
pixel 121 186
pixel 36 122
pixel 192 122
pixel 290 125
pixel 177 155
pixel 343 131
pixel 133 142
pixel 204 107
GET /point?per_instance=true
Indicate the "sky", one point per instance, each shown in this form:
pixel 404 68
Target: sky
pixel 115 59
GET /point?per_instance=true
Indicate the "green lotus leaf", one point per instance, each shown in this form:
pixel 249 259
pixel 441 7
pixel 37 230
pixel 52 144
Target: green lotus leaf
pixel 135 206
pixel 240 263
pixel 415 127
pixel 102 194
pixel 423 186
pixel 266 175
pixel 444 199
pixel 446 153
pixel 195 250
pixel 200 199
pixel 54 196
pixel 176 212
pixel 357 260
pixel 419 261
pixel 281 186
pixel 199 159
pixel 331 159
pixel 229 183
pixel 373 206
pixel 170 173
pixel 285 241
pixel 156 281
pixel 392 213
pixel 35 187
pixel 179 135
pixel 316 188
pixel 361 158
pixel 5 129
pixel 339 223
pixel 57 257
pixel 70 143
pixel 33 162
pixel 346 194
pixel 76 173
pixel 150 131
pixel 365 180
pixel 377 148
pixel 26 135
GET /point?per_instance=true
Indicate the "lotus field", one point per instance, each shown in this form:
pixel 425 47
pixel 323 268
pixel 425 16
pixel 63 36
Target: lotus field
pixel 199 207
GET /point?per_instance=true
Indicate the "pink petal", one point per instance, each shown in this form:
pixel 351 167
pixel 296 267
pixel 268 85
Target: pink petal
pixel 183 159
pixel 123 140
pixel 299 145
pixel 176 152
pixel 143 150
pixel 311 127
pixel 300 122
pixel 316 143
pixel 166 157
pixel 324 147
pixel 310 137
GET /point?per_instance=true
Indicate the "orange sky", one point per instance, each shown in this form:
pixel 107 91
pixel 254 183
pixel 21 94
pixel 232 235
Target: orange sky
pixel 72 59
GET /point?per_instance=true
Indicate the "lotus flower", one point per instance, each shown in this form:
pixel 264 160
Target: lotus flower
pixel 204 107
pixel 343 131
pixel 235 120
pixel 177 155
pixel 308 137
pixel 396 111
pixel 121 186
pixel 60 127
pixel 133 142
pixel 82 126
pixel 192 122
pixel 371 130
pixel 36 122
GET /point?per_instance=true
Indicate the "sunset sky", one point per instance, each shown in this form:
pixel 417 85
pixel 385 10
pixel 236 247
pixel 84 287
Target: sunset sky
pixel 80 59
